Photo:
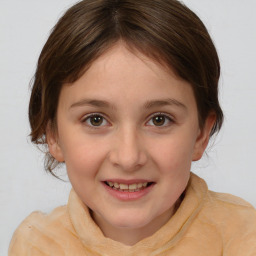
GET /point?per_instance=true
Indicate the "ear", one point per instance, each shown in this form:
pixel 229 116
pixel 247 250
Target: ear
pixel 53 144
pixel 203 137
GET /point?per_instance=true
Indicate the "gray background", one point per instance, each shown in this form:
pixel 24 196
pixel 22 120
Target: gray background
pixel 229 164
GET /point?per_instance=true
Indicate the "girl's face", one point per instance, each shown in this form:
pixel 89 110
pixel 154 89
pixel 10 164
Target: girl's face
pixel 128 131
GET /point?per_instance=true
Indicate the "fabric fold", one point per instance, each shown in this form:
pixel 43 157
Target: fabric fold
pixel 206 223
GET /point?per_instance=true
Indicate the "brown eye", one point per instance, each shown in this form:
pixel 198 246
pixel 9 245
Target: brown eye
pixel 96 120
pixel 159 120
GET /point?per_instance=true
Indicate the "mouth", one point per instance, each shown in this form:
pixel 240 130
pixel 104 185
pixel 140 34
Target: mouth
pixel 133 187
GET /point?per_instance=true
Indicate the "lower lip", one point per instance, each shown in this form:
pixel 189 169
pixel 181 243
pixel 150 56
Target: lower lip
pixel 128 196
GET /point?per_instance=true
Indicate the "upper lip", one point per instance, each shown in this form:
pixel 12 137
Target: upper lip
pixel 128 182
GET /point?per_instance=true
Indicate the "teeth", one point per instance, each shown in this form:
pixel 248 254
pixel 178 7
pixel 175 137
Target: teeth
pixel 131 188
pixel 123 186
pixel 144 184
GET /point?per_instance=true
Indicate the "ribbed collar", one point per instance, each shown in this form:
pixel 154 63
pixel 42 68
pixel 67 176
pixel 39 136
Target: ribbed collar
pixel 165 238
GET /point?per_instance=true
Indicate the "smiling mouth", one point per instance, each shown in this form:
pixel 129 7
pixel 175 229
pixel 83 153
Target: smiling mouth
pixel 128 187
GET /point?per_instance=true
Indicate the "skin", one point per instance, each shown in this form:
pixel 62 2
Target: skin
pixel 126 90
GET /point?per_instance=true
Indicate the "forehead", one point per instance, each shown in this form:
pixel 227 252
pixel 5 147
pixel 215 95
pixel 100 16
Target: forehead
pixel 120 56
pixel 124 74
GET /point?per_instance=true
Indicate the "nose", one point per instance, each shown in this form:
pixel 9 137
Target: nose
pixel 128 152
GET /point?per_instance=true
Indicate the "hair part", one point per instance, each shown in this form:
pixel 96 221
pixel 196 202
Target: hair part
pixel 164 30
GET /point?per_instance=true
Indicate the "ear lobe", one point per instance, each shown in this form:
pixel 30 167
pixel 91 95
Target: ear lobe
pixel 203 137
pixel 53 145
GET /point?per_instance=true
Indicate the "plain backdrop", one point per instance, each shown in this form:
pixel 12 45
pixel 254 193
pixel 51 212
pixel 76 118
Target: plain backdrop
pixel 229 165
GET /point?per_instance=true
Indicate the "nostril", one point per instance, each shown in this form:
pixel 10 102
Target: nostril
pixel 128 155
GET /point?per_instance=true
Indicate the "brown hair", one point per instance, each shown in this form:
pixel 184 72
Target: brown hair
pixel 164 30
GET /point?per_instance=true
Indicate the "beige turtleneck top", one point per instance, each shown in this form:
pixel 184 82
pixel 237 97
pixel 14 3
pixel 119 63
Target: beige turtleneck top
pixel 206 223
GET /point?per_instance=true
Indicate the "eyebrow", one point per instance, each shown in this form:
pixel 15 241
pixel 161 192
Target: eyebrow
pixel 91 102
pixel 164 102
pixel 149 104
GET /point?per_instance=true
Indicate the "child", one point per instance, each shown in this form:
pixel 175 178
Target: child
pixel 126 95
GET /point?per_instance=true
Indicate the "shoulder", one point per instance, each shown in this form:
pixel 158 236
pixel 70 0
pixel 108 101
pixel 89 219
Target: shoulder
pixel 221 205
pixel 39 230
pixel 234 219
pixel 228 218
pixel 227 205
pixel 228 199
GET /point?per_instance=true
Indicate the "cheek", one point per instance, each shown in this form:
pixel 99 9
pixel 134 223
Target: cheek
pixel 173 155
pixel 84 158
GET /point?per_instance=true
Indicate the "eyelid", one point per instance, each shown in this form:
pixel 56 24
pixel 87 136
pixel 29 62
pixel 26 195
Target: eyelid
pixel 161 114
pixel 168 116
pixel 87 116
pixel 84 117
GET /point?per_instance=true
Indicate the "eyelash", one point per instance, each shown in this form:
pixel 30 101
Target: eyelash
pixel 89 116
pixel 167 118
